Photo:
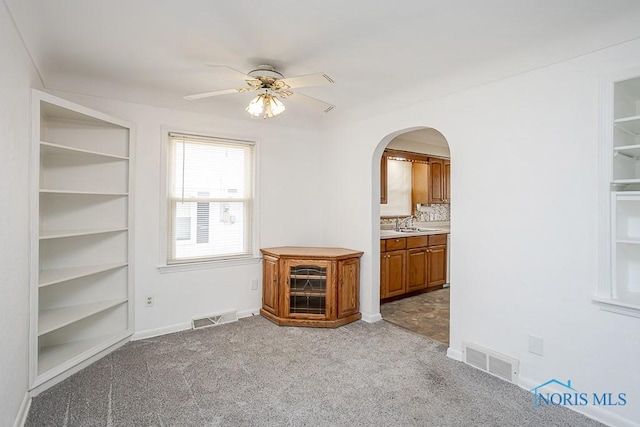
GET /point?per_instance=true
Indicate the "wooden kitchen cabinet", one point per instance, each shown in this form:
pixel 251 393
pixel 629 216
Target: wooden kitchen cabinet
pixel 439 180
pixel 446 181
pixel 392 273
pixel 436 187
pixel 417 269
pixel 430 181
pixel 410 265
pixel 419 183
pixel 306 286
pixel 383 179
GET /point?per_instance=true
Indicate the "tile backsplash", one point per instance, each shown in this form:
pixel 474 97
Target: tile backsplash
pixel 434 212
pixel 426 213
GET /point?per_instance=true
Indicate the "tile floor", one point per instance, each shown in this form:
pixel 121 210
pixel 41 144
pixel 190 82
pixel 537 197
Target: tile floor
pixel 426 314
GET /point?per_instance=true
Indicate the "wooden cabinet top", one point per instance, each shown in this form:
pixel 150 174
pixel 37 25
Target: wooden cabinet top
pixel 311 252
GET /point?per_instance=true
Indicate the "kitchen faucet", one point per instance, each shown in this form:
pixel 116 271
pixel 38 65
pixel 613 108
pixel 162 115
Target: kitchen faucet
pixel 408 222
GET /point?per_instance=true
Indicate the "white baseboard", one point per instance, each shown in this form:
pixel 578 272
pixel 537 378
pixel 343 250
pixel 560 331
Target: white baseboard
pixel 454 354
pixel 598 413
pixel 21 417
pixel 150 333
pixel 371 318
pixel 248 313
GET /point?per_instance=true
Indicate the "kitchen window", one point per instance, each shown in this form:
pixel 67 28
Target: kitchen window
pixel 210 199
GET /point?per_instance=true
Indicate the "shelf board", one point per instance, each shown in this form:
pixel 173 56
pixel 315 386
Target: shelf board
pixel 629 125
pixel 302 293
pixel 308 276
pixel 321 311
pixel 50 148
pixel 56 355
pixel 57 275
pixel 628 240
pixel 626 181
pixel 89 193
pixel 58 234
pixel 56 318
pixel 629 150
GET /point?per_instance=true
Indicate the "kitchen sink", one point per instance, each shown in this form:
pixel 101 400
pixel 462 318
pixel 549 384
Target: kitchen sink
pixel 417 230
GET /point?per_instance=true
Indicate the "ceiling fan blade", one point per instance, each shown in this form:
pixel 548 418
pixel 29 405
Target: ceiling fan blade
pixel 311 102
pixel 316 79
pixel 241 74
pixel 210 94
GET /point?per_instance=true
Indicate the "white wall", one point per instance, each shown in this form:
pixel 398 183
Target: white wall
pixel 289 212
pixel 16 77
pixel 524 222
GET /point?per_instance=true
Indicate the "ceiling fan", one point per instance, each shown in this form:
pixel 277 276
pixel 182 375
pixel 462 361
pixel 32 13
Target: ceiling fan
pixel 271 85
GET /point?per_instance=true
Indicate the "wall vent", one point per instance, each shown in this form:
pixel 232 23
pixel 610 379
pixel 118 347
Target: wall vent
pixel 496 364
pixel 214 319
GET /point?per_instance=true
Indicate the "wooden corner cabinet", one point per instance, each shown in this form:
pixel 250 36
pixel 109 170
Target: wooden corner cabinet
pixel 81 237
pixel 308 286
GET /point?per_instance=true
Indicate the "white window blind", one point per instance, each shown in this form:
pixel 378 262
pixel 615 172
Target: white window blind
pixel 398 189
pixel 210 198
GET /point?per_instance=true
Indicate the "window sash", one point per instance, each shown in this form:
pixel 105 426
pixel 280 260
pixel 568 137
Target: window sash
pixel 211 236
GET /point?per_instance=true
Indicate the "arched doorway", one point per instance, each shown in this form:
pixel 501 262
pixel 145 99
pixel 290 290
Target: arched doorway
pixel 414 220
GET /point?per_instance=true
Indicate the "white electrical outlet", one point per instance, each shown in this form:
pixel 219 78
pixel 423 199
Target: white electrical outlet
pixel 254 284
pixel 148 301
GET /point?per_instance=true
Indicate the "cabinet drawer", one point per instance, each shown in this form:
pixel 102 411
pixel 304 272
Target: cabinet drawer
pixel 395 244
pixel 416 241
pixel 382 245
pixel 437 239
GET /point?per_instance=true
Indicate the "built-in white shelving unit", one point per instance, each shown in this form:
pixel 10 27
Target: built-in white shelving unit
pixel 625 193
pixel 81 274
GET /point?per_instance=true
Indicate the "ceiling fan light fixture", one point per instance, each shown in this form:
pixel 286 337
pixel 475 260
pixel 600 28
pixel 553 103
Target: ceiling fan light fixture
pixel 265 105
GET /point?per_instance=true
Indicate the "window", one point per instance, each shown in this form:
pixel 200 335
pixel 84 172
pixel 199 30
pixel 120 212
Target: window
pixel 210 198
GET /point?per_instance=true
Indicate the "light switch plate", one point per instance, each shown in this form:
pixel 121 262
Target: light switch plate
pixel 536 345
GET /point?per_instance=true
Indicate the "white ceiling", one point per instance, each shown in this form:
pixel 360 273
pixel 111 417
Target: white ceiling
pixel 382 54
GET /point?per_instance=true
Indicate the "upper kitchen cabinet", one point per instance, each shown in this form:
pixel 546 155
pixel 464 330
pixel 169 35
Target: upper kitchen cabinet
pixel 424 180
pixel 439 188
pixel 419 183
pixel 446 181
pixel 383 179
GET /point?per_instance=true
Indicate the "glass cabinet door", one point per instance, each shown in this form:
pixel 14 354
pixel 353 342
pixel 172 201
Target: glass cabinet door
pixel 308 283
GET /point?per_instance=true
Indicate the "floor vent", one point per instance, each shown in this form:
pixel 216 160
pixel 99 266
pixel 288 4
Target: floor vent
pixel 489 361
pixel 214 319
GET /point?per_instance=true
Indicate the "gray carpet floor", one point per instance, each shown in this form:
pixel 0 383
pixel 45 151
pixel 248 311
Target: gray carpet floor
pixel 254 373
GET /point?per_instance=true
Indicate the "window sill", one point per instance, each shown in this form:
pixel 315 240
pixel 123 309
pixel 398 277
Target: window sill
pixel 222 263
pixel 617 306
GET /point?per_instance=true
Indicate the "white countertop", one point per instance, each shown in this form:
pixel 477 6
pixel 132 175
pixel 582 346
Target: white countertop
pixel 426 229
